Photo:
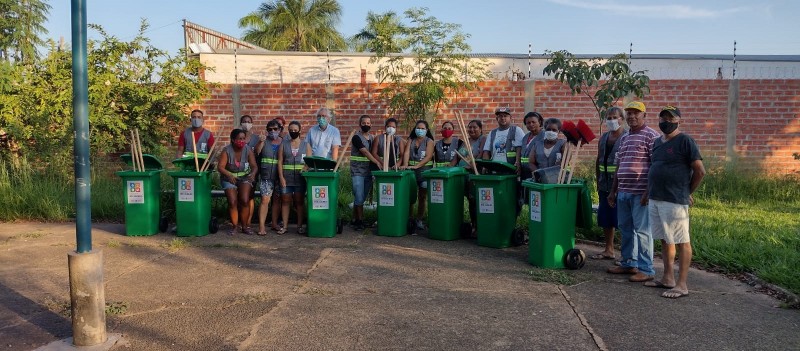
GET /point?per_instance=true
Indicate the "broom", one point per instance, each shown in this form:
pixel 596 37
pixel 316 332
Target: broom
pixel 586 136
pixel 570 131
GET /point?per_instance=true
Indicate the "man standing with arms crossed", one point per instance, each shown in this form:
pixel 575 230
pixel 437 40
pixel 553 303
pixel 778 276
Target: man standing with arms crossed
pixel 629 194
pixel 675 174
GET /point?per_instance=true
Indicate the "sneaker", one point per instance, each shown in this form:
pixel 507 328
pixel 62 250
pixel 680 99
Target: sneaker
pixel 358 226
pixel 420 225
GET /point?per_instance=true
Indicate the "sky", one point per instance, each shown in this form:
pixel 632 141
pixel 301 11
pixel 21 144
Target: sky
pixel 768 27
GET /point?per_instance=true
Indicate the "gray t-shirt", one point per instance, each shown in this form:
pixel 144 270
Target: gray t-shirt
pixel 670 173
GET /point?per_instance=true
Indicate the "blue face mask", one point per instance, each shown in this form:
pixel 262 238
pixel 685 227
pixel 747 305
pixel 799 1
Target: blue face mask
pixel 322 121
pixel 197 122
pixel 420 132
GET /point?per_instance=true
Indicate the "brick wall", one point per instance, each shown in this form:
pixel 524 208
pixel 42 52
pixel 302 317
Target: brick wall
pixel 767 129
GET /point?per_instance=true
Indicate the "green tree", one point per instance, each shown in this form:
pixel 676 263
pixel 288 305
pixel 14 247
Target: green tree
pixel 131 85
pixel 295 25
pixel 383 33
pixel 21 28
pixel 439 67
pixel 603 81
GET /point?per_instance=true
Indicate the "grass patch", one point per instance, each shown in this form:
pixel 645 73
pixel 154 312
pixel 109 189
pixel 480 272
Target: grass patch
pixel 176 244
pixel 227 246
pixel 116 308
pixel 113 244
pixel 557 276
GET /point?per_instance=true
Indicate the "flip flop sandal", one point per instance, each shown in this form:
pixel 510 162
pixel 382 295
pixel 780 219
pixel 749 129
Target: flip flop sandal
pixel 674 294
pixel 657 284
pixel 281 231
pixel 247 231
pixel 264 233
pixel 600 256
pixel 232 232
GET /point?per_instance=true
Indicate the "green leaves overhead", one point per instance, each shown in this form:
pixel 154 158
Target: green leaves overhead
pixel 295 25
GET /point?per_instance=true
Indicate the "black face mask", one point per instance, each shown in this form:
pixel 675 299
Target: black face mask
pixel 667 127
pixel 294 135
pixel 365 128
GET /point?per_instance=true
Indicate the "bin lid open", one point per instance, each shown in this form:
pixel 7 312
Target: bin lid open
pixel 318 163
pixel 497 167
pixel 187 162
pixel 151 163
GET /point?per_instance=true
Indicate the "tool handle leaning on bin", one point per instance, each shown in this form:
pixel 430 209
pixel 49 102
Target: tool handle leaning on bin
pixel 344 151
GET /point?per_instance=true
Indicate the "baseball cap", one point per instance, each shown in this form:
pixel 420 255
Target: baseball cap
pixel 500 110
pixel 636 105
pixel 674 111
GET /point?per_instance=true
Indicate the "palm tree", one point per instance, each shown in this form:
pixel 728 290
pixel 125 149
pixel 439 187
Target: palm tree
pixel 295 25
pixel 383 33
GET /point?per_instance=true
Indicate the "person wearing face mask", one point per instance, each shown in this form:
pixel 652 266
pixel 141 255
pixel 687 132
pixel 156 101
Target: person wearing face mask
pixel 246 124
pixel 290 165
pixel 395 149
pixel 445 149
pixel 417 156
pixel 605 169
pixel 476 139
pixel 203 138
pixel 547 152
pixel 237 176
pixel 629 195
pixel 267 151
pixel 675 173
pixel 533 122
pixel 323 139
pixel 505 141
pixel 360 162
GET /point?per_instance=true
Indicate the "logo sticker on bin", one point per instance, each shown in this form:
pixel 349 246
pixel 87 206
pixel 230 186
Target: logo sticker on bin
pixel 536 206
pixel 186 189
pixel 486 200
pixel 320 198
pixel 386 195
pixel 135 192
pixel 437 191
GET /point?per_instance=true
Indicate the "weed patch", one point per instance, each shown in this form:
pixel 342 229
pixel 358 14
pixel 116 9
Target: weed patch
pixel 176 244
pixel 558 276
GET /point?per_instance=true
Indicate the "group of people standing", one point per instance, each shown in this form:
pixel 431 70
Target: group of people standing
pixel 644 178
pixel 645 181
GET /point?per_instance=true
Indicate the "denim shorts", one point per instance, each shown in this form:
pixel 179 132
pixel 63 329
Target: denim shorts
pixel 292 189
pixel 228 185
pixel 361 186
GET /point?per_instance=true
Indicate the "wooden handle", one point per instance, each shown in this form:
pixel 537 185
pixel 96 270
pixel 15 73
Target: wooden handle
pixel 134 159
pixel 466 136
pixel 194 150
pixel 139 150
pixel 344 151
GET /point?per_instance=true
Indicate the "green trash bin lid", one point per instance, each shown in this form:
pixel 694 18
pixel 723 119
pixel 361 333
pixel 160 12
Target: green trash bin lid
pixel 317 163
pixel 187 162
pixel 444 172
pixel 497 167
pixel 151 163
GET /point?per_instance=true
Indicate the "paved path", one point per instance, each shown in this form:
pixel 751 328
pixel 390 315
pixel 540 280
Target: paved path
pixel 363 292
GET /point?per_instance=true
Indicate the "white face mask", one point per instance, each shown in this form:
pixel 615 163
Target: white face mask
pixel 550 135
pixel 390 130
pixel 612 124
pixel 247 126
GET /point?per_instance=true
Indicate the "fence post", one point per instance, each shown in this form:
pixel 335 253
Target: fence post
pixel 733 117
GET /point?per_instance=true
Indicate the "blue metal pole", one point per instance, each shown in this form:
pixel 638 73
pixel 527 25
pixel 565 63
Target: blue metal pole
pixel 80 116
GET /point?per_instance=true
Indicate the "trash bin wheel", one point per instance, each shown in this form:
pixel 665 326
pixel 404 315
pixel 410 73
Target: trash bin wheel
pixel 410 226
pixel 517 237
pixel 339 226
pixel 213 225
pixel 574 259
pixel 163 224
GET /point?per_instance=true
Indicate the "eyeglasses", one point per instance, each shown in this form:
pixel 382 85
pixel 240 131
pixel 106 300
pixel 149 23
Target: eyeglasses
pixel 272 129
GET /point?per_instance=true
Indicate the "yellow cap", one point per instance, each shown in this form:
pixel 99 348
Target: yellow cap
pixel 636 105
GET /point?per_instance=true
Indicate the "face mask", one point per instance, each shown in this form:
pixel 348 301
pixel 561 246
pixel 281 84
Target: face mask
pixel 239 143
pixel 550 135
pixel 390 130
pixel 294 135
pixel 365 128
pixel 247 126
pixel 667 127
pixel 274 134
pixel 420 132
pixel 197 122
pixel 612 124
pixel 322 121
pixel 447 133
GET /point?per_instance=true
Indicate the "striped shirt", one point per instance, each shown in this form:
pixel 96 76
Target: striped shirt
pixel 633 160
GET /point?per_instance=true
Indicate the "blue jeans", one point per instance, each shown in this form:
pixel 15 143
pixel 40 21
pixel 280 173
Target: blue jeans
pixel 361 186
pixel 637 240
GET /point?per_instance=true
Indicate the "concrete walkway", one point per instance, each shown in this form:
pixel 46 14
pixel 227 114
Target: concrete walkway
pixel 364 292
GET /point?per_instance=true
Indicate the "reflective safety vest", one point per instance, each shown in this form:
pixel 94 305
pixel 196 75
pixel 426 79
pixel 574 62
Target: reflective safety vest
pixel 201 143
pixel 442 158
pixel 269 161
pixel 417 153
pixel 511 154
pixel 359 164
pixel 243 168
pixel 606 167
pixel 293 163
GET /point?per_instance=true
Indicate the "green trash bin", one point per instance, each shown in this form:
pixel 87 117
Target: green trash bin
pixel 496 197
pixel 583 213
pixel 445 202
pixel 322 187
pixel 192 200
pixel 397 190
pixel 142 196
pixel 551 228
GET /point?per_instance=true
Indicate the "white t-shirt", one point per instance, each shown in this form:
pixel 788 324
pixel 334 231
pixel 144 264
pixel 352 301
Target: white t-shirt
pixel 498 150
pixel 322 142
